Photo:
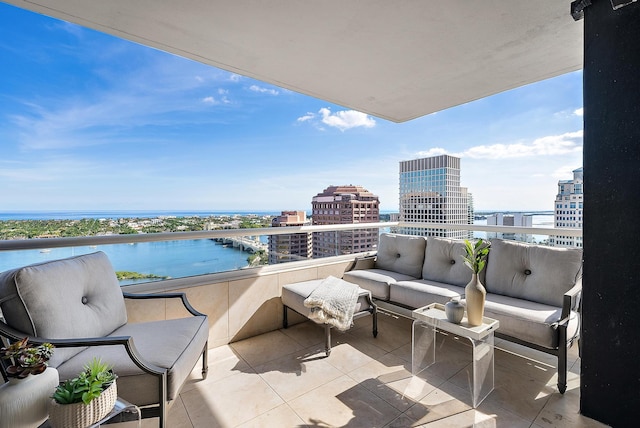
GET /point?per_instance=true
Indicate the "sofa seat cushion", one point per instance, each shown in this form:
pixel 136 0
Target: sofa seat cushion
pixel 421 292
pixel 401 253
pixel 443 261
pixel 532 272
pixel 529 321
pixel 171 344
pixel 294 295
pixel 378 281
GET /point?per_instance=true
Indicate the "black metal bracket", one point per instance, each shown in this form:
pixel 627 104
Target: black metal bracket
pixel 578 7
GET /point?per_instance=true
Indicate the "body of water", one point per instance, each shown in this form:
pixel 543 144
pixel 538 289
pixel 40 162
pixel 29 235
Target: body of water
pixel 168 258
pixel 173 259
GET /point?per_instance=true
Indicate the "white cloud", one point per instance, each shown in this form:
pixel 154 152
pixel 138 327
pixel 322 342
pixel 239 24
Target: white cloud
pixel 552 145
pixel 209 100
pixel 436 151
pixel 579 112
pixel 306 117
pixel 260 89
pixel 235 77
pixel 564 172
pixel 346 119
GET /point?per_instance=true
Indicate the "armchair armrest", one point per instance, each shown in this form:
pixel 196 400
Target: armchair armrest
pixel 126 341
pixel 181 296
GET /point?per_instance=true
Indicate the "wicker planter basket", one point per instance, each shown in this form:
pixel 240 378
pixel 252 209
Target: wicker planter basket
pixel 80 415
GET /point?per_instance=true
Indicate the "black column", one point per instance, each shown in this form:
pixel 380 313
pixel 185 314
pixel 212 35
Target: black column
pixel 610 372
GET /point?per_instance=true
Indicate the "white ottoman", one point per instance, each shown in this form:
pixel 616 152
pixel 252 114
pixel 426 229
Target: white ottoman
pixel 294 295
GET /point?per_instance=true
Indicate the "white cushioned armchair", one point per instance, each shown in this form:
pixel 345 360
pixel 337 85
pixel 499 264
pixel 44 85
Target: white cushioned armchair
pixel 78 305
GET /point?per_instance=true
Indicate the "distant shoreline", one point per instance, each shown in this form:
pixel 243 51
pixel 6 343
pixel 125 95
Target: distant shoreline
pixel 115 214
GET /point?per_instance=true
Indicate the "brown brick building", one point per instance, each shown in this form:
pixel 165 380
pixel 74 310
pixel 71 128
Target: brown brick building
pixel 343 205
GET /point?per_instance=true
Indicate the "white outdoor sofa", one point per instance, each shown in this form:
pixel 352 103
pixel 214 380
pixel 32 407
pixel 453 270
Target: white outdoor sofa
pixel 533 290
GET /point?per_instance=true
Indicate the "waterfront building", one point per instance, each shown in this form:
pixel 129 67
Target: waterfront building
pixel 515 220
pixel 296 246
pixel 568 209
pixel 344 205
pixel 430 192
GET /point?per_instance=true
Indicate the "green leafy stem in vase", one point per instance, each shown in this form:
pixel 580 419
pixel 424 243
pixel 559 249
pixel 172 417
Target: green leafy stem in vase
pixel 476 254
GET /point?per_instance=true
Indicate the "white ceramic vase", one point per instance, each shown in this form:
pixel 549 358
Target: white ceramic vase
pixel 454 309
pixel 23 402
pixel 475 296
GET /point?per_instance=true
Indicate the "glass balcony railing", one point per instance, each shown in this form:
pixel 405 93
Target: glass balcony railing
pixel 149 257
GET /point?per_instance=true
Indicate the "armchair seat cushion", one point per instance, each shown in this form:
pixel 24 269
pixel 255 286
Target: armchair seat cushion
pixel 529 321
pixel 172 344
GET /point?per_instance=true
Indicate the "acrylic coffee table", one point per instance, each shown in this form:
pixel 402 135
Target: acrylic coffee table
pixel 423 345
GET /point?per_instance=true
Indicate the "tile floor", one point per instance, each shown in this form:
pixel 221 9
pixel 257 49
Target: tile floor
pixel 282 379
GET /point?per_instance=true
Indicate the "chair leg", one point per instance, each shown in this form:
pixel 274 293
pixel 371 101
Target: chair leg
pixel 562 359
pixel 163 401
pixel 205 360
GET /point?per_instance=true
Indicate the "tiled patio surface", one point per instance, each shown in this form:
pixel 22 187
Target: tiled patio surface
pixel 282 379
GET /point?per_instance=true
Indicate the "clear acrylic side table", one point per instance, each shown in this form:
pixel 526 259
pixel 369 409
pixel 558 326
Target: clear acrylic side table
pixel 423 346
pixel 123 411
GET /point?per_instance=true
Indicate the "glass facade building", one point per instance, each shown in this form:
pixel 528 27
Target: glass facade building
pixel 430 192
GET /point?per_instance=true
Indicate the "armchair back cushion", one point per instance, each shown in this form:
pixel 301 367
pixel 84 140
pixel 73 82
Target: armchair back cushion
pixel 443 262
pixel 401 253
pixel 537 273
pixel 64 299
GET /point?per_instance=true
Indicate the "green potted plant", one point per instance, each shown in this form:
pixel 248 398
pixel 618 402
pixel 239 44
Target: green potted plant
pixel 85 399
pixel 26 359
pixel 475 258
pixel 24 399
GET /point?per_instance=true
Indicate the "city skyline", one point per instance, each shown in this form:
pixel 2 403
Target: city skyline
pixel 92 122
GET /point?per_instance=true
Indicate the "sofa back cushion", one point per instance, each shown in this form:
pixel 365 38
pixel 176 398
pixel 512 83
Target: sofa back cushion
pixel 532 272
pixel 64 299
pixel 443 262
pixel 401 253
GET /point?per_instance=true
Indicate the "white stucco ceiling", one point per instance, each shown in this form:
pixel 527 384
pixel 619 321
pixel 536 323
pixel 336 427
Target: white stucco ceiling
pixel 395 59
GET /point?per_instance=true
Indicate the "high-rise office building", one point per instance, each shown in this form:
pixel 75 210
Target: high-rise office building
pixel 290 247
pixel 343 205
pixel 568 210
pixel 430 192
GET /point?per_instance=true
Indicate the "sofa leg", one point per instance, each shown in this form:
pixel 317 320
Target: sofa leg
pixel 562 359
pixel 374 314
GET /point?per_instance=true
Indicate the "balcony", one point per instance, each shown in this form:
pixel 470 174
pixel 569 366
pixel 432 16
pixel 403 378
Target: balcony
pixel 283 379
pixel 263 375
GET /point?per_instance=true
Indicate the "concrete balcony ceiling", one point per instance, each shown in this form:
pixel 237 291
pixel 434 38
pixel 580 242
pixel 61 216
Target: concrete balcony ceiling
pixel 397 60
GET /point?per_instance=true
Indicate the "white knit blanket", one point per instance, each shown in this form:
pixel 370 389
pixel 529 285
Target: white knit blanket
pixel 333 302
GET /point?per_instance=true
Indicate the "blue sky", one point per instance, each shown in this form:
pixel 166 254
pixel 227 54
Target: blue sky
pixel 92 122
